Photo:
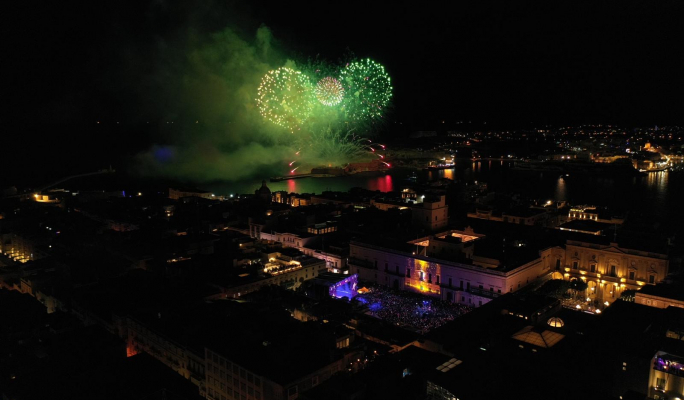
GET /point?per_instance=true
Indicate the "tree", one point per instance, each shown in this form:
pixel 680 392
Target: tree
pixel 554 288
pixel 578 286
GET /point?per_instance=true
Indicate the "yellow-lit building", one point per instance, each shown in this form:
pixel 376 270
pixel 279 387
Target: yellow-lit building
pixel 19 248
pixel 608 270
pixel 666 379
pixel 430 266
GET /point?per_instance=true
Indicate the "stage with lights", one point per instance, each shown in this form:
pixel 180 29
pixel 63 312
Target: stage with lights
pixel 336 285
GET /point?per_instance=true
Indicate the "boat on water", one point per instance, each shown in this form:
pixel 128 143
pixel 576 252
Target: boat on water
pixel 439 166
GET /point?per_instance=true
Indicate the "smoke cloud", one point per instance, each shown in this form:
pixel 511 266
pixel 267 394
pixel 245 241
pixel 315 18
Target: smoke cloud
pixel 206 88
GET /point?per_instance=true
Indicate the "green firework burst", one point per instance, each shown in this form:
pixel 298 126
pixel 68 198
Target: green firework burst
pixel 368 89
pixel 285 97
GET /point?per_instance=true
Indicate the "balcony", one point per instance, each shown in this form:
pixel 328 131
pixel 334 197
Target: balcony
pixel 669 367
pixel 484 292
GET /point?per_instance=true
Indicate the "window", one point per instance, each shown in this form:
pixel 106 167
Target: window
pixel 292 391
pixel 651 279
pixel 612 270
pixel 386 266
pixel 314 381
pixel 467 286
pixel 660 383
pixel 592 267
pixel 429 278
pixel 408 272
pixel 558 263
pixel 575 264
pixel 437 279
pixel 257 381
pixel 449 282
pixel 396 269
pixel 250 378
pixel 631 275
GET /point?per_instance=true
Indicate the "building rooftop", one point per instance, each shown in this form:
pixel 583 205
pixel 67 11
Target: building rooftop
pixel 524 212
pixel 668 291
pixel 272 344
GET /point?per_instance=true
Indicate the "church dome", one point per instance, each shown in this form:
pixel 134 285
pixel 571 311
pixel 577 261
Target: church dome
pixel 263 192
pixel 555 322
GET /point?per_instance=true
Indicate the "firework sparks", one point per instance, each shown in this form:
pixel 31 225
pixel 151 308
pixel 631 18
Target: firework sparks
pixel 285 97
pixel 368 89
pixel 329 91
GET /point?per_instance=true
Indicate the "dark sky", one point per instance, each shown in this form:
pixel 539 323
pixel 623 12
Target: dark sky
pixel 509 62
pixel 568 61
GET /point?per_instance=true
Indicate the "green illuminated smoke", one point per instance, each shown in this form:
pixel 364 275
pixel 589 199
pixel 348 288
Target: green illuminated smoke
pixel 234 119
pixel 332 146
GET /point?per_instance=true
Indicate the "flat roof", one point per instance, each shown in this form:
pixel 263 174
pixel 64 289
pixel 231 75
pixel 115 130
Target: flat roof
pixel 667 291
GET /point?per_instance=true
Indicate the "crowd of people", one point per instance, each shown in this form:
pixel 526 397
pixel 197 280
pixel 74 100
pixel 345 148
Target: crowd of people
pixel 410 310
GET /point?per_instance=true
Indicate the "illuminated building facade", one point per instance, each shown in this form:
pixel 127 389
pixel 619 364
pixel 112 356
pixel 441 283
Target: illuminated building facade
pixel 431 272
pixel 660 296
pixel 20 248
pixel 608 270
pixel 666 378
pixel 277 273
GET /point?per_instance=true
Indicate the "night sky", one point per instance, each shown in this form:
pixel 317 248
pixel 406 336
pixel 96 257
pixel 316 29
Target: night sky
pixel 509 63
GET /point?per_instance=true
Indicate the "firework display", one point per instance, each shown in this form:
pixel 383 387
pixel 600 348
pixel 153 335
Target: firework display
pixel 329 91
pixel 285 97
pixel 324 117
pixel 368 89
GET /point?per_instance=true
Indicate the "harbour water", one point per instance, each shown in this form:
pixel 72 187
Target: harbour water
pixel 655 196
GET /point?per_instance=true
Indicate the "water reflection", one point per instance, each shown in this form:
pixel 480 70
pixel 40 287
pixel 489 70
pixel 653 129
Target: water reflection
pixel 559 194
pixel 383 184
pixel 653 195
